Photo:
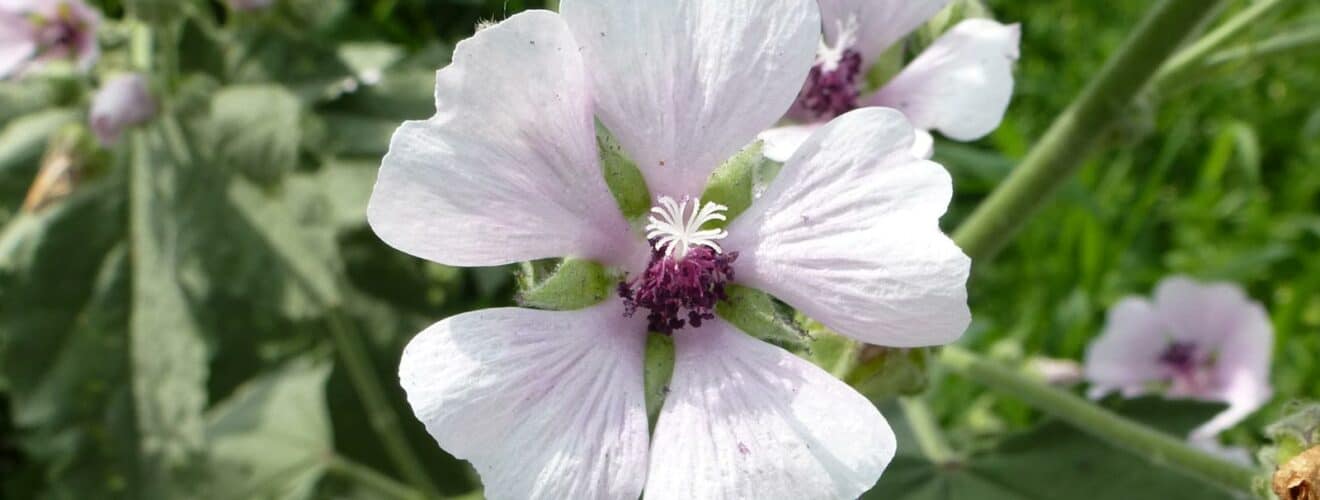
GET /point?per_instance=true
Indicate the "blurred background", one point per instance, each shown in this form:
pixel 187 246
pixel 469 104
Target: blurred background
pixel 201 311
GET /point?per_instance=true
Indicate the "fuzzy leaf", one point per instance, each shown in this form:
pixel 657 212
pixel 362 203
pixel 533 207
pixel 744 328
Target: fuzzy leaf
pixel 621 174
pixel 575 284
pixel 256 130
pixel 756 313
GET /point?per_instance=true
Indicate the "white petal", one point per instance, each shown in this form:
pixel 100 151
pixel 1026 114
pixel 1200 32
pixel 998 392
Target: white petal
pixel 744 419
pixel 849 234
pixel 16 44
pixel 961 85
pixel 544 404
pixel 507 170
pixel 1207 314
pixel 1125 357
pixel 876 24
pixel 923 145
pixel 685 84
pixel 782 142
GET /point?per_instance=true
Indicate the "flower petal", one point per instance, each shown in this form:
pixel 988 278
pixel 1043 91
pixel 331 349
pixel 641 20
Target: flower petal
pixel 961 85
pixel 544 404
pixel 782 142
pixel 1125 357
pixel 685 84
pixel 876 24
pixel 507 170
pixel 1208 314
pixel 16 44
pixel 745 419
pixel 849 234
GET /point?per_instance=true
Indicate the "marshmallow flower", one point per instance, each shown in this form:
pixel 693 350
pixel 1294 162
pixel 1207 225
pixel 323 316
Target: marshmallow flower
pixel 1198 341
pixel 960 85
pixel 550 404
pixel 122 102
pixel 36 31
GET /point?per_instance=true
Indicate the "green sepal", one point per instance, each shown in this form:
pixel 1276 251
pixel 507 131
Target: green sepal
pixel 622 176
pixel 756 313
pixel 575 284
pixel 657 371
pixel 735 183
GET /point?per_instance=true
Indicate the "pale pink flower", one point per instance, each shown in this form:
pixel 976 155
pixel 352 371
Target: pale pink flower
pixel 550 404
pixel 36 31
pixel 120 103
pixel 960 85
pixel 1207 342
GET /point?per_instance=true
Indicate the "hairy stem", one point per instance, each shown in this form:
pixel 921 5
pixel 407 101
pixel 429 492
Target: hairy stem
pixel 1156 446
pixel 380 413
pixel 1067 143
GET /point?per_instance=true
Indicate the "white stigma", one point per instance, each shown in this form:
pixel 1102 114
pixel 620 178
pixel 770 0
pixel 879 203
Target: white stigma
pixel 676 233
pixel 829 57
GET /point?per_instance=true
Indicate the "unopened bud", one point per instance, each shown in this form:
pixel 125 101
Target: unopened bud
pixel 121 103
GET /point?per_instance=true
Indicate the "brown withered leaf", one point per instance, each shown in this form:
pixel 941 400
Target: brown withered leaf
pixel 55 180
pixel 1299 479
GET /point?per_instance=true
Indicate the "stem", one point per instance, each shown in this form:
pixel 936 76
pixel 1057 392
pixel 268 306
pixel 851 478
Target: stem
pixel 1290 41
pixel 930 438
pixel 1189 57
pixel 369 477
pixel 1065 146
pixel 1156 446
pixel 380 413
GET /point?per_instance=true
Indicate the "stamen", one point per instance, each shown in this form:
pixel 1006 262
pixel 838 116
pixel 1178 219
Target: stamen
pixel 832 86
pixel 676 237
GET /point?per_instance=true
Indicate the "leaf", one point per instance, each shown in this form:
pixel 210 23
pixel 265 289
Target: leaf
pixel 575 284
pixel 256 130
pixel 168 355
pixel 622 176
pixel 271 439
pixel 1052 461
pixel 733 184
pixel 756 313
pixel 22 143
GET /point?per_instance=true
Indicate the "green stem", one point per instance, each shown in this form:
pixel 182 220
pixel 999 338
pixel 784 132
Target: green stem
pixel 930 438
pixel 1293 40
pixel 370 478
pixel 380 413
pixel 1156 446
pixel 1065 146
pixel 1196 52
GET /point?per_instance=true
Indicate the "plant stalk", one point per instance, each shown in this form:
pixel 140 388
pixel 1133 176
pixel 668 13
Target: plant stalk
pixel 380 414
pixel 1158 447
pixel 369 477
pixel 1072 135
pixel 930 437
pixel 1196 52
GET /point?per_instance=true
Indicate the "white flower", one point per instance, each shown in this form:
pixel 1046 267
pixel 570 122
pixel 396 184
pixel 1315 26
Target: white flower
pixel 36 31
pixel 1200 341
pixel 960 85
pixel 122 102
pixel 550 404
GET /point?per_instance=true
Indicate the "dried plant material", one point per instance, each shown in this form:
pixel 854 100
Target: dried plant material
pixel 55 180
pixel 1299 479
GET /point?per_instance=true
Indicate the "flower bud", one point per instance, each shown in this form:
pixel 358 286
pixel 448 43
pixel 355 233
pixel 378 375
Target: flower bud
pixel 122 102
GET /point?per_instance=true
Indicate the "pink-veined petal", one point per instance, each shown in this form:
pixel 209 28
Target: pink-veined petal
pixel 745 419
pixel 545 405
pixel 849 234
pixel 16 44
pixel 1125 357
pixel 685 84
pixel 959 86
pixel 875 24
pixel 507 170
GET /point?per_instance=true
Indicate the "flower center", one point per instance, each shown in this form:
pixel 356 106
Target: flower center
pixel 1189 368
pixel 832 88
pixel 1180 357
pixel 688 270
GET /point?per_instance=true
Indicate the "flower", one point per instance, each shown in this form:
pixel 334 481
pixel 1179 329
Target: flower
pixel 36 31
pixel 960 85
pixel 122 102
pixel 1199 341
pixel 550 404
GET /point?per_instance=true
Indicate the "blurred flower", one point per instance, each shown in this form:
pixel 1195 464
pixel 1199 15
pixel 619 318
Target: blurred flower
pixel 550 404
pixel 36 31
pixel 1200 341
pixel 960 85
pixel 122 102
pixel 249 4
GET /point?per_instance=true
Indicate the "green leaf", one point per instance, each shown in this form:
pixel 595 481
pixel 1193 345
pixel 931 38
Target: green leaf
pixel 1051 461
pixel 167 352
pixel 657 371
pixel 272 438
pixel 575 284
pixel 756 313
pixel 621 174
pixel 256 130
